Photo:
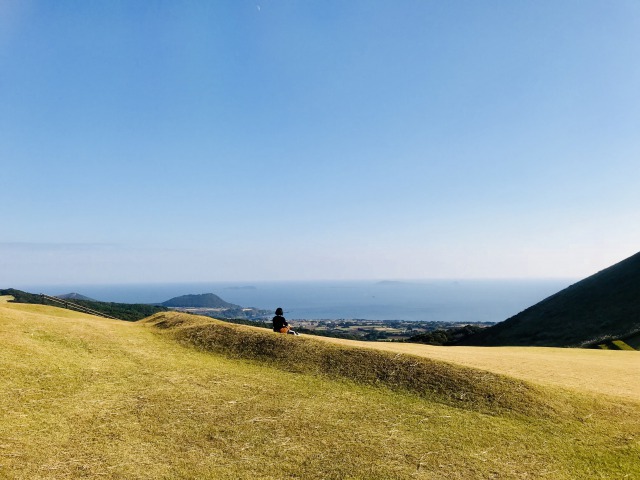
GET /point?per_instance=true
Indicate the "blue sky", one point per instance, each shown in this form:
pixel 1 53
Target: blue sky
pixel 253 140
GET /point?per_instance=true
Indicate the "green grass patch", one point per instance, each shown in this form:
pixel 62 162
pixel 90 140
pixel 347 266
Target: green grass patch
pixel 615 345
pixel 620 345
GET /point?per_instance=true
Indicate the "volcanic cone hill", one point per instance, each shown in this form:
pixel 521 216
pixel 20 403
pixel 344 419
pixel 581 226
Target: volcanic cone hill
pixel 602 307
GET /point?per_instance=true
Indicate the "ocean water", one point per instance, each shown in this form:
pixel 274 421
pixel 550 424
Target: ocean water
pixel 427 300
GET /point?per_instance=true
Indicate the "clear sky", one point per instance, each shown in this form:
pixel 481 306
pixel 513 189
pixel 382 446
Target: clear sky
pixel 181 141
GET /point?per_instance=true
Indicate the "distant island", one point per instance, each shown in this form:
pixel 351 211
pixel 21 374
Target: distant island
pixel 212 305
pixel 205 300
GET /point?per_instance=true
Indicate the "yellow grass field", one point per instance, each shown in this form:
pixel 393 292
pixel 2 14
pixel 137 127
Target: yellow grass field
pixel 607 372
pixel 88 397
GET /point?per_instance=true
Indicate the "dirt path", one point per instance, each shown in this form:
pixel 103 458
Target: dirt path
pixel 600 371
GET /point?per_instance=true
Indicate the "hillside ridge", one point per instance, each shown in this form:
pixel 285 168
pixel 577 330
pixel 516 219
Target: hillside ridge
pixel 601 307
pixel 124 311
pixel 75 296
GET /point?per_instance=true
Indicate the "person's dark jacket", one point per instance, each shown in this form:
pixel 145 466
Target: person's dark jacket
pixel 279 322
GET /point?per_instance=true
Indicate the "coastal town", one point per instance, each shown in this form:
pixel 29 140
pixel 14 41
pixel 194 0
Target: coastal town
pixel 353 328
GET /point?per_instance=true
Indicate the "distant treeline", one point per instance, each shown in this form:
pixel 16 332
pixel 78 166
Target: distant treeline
pixel 450 336
pixel 123 311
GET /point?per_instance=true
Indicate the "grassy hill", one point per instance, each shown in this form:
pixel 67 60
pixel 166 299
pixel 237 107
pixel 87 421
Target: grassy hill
pixel 600 308
pixel 82 396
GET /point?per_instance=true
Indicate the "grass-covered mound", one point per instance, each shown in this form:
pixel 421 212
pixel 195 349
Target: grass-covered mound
pixel 453 384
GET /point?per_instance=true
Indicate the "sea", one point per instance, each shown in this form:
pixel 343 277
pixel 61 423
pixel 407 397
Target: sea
pixel 464 301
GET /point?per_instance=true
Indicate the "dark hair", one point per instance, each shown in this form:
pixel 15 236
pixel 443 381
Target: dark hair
pixel 279 311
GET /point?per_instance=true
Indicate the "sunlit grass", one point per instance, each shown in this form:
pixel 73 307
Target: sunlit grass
pixel 95 398
pixel 584 370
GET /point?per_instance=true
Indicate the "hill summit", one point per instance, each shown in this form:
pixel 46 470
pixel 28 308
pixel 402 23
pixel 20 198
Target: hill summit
pixel 601 307
pixel 75 296
pixel 205 300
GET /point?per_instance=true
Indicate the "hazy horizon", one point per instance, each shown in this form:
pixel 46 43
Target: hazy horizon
pixel 427 300
pixel 249 283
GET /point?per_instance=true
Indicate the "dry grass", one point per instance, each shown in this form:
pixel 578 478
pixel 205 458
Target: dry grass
pixel 606 372
pixel 445 382
pixel 82 397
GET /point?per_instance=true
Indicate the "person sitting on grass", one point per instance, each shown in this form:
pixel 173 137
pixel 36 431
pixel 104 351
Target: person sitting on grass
pixel 280 325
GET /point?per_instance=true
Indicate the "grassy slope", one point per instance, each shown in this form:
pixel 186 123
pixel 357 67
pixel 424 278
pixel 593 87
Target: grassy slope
pixel 81 396
pixel 590 371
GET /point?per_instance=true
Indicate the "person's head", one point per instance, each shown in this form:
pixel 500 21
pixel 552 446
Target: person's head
pixel 279 311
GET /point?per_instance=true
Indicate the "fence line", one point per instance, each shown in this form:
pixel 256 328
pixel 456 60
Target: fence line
pixel 74 306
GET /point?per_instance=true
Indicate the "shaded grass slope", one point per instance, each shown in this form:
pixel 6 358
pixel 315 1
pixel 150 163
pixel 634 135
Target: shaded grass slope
pixel 604 306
